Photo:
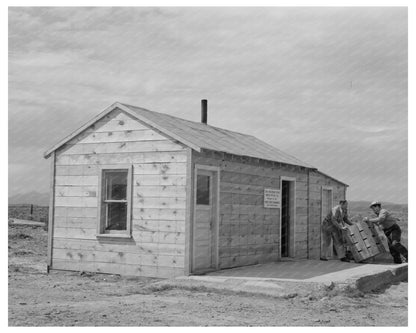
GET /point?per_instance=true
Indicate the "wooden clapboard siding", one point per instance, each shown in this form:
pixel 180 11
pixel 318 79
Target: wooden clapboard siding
pixel 161 168
pixel 80 201
pixel 158 191
pixel 226 187
pixel 75 191
pixel 114 245
pixel 159 202
pixel 170 214
pixel 116 120
pixel 102 135
pixel 121 147
pixel 153 168
pixel 121 158
pixel 157 245
pixel 76 232
pixel 158 225
pixel 167 180
pixel 76 222
pixel 120 257
pixel 75 212
pixel 248 232
pixel 117 268
pixel 76 180
pixel 246 179
pixel 143 236
pixel 268 171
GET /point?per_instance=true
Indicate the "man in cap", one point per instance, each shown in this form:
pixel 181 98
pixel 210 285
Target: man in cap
pixel 391 229
pixel 332 228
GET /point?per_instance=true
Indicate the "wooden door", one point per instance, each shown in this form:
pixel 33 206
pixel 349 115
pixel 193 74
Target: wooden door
pixel 326 208
pixel 326 202
pixel 205 224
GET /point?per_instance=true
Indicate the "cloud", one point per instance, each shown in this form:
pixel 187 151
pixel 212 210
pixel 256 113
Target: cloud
pixel 328 85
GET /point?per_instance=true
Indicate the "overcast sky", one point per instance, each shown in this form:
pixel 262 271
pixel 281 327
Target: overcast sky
pixel 327 85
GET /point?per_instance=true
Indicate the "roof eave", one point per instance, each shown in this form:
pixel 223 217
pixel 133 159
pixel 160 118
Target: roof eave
pixel 80 129
pixel 312 168
pixel 322 173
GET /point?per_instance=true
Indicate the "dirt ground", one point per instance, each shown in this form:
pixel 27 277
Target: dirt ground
pixel 82 299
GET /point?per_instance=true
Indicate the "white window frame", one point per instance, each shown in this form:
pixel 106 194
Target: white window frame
pixel 102 205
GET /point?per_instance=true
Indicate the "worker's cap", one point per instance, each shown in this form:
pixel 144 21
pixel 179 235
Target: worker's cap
pixel 375 203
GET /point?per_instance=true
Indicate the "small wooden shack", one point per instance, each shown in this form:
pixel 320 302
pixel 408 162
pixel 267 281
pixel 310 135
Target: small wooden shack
pixel 137 192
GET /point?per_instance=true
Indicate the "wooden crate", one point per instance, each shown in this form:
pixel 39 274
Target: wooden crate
pixel 361 241
pixel 379 238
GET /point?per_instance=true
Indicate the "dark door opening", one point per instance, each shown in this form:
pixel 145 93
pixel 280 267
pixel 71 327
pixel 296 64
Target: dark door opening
pixel 285 232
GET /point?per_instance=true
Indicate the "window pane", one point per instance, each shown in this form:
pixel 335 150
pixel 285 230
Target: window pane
pixel 116 216
pixel 116 185
pixel 202 190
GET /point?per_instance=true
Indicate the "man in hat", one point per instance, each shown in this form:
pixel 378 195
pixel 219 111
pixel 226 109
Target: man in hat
pixel 391 229
pixel 332 228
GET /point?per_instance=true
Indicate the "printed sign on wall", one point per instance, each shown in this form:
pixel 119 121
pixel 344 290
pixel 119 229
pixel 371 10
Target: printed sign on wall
pixel 271 198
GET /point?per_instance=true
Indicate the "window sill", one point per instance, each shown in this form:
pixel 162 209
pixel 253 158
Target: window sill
pixel 123 236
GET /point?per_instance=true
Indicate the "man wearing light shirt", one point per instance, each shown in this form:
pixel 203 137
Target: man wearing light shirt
pixel 332 227
pixel 391 229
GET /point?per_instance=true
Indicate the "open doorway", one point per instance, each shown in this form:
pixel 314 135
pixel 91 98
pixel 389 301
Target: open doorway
pixel 288 211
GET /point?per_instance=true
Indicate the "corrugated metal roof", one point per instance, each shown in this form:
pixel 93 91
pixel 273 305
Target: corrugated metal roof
pixel 217 139
pixel 196 136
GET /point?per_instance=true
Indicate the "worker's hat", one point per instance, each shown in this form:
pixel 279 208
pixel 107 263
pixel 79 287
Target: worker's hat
pixel 375 203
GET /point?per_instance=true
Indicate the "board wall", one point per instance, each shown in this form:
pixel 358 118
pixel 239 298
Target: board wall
pixel 248 232
pixel 157 246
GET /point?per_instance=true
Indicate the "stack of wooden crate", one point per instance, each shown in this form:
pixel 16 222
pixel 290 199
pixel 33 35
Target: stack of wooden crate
pixel 379 237
pixel 365 241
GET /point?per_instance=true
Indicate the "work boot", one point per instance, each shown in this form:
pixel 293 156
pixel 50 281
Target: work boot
pixel 399 249
pixel 349 255
pixel 397 259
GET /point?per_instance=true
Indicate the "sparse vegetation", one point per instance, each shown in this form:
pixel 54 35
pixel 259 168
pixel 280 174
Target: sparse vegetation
pixel 92 299
pixel 39 213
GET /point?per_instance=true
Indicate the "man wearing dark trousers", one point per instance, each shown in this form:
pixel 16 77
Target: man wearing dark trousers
pixel 391 229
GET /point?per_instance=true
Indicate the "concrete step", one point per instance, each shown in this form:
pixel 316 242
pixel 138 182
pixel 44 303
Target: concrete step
pixel 361 278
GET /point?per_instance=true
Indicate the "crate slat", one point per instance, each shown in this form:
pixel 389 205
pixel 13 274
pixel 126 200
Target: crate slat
pixel 361 241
